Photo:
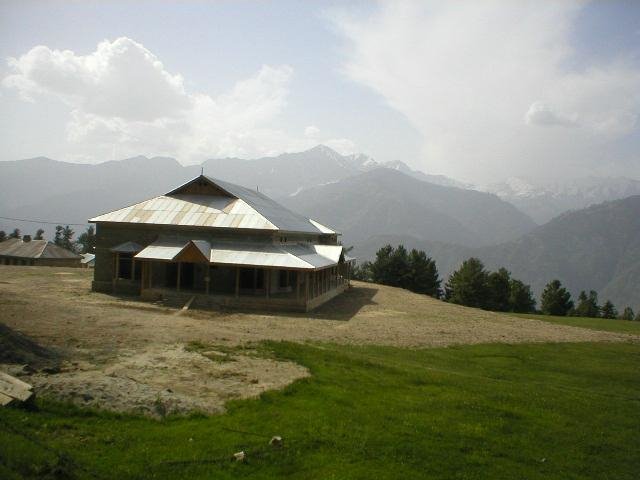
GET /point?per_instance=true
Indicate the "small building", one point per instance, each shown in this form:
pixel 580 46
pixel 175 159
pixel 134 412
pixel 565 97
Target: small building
pixel 88 260
pixel 223 244
pixel 17 251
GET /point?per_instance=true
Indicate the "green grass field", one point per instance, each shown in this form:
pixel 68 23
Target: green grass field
pixel 552 411
pixel 606 324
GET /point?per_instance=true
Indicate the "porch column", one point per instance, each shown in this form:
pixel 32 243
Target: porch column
pixel 143 276
pixel 178 279
pixel 306 287
pixel 267 281
pixel 237 281
pixel 297 285
pixel 133 269
pixel 116 270
pixel 207 279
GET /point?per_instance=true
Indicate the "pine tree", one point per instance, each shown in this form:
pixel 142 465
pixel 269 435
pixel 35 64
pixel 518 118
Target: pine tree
pixel 67 237
pixel 3 235
pixel 16 233
pixel 423 274
pixel 520 297
pixel 587 305
pixel 556 300
pixel 627 314
pixel 399 268
pixel 87 240
pixel 498 290
pixel 39 234
pixel 468 285
pixel 58 238
pixel 609 310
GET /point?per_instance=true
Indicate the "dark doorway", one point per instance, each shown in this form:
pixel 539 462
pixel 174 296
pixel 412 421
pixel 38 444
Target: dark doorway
pixel 186 275
pixel 171 275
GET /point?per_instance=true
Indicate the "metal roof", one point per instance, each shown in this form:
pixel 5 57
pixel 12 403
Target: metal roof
pixel 127 247
pixel 203 246
pixel 161 250
pixel 88 258
pixel 281 217
pixel 16 247
pixel 321 227
pixel 190 210
pixel 292 256
pixel 232 206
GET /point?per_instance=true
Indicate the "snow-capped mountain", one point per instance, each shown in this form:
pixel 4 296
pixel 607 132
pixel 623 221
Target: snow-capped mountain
pixel 543 202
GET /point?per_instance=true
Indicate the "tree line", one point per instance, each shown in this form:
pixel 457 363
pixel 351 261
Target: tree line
pixel 473 285
pixel 85 243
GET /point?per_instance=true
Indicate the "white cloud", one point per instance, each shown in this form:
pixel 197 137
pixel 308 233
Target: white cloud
pixel 120 79
pixel 543 115
pixel 311 131
pixel 121 97
pixel 465 74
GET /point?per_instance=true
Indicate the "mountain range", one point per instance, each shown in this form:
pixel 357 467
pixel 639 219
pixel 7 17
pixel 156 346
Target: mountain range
pixel 597 248
pixel 544 202
pixel 384 201
pixel 374 203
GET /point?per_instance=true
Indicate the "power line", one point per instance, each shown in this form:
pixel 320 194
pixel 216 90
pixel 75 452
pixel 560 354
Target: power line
pixel 42 221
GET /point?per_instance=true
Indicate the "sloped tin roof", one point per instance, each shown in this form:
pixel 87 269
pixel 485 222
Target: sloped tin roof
pixel 15 247
pixel 232 207
pixel 291 256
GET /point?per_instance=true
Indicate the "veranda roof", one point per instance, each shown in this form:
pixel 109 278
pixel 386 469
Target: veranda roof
pixel 292 256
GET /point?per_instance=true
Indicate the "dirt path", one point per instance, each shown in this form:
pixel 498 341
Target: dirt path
pixel 113 345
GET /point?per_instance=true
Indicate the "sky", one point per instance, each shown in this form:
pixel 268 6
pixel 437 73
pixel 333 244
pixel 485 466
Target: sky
pixel 479 91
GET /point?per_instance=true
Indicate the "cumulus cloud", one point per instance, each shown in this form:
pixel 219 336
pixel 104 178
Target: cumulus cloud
pixel 465 74
pixel 121 95
pixel 120 79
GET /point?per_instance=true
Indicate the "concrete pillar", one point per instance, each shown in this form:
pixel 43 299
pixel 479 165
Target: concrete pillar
pixel 116 270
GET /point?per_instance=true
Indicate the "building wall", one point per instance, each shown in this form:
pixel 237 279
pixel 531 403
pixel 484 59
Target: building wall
pixel 42 262
pixel 112 235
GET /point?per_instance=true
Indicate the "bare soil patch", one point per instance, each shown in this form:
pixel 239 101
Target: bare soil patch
pixel 126 355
